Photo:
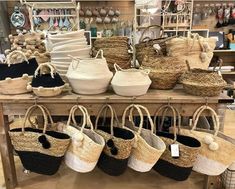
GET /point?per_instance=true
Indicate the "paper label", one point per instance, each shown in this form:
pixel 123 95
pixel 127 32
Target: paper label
pixel 175 151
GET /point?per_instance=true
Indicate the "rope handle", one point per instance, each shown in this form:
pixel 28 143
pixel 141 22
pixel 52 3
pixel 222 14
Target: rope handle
pixel 101 52
pixel 9 56
pixel 148 116
pixel 29 113
pixel 103 108
pixel 88 119
pixel 151 26
pixel 131 107
pixel 162 108
pixel 143 71
pixel 71 114
pixel 43 65
pixel 215 118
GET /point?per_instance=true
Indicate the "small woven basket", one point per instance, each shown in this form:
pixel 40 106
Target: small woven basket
pixel 202 82
pixel 165 71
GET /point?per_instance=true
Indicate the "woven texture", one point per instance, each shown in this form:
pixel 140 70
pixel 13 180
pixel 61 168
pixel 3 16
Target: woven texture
pixel 202 82
pixel 198 51
pixel 115 51
pixel 165 71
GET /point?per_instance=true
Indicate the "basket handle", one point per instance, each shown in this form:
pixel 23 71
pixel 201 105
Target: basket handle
pixel 101 52
pixel 198 113
pixel 152 26
pixel 29 113
pixel 103 108
pixel 148 116
pixel 117 67
pixel 162 108
pixel 43 65
pixel 88 119
pixel 131 107
pixel 10 55
pixel 72 113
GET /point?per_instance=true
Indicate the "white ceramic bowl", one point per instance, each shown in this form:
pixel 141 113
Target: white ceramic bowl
pixel 82 53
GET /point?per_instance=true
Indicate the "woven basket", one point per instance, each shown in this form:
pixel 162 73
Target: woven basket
pixel 148 147
pixel 197 50
pixel 165 71
pixel 119 142
pixel 202 82
pixel 145 47
pixel 217 152
pixel 86 147
pixel 46 81
pixel 40 151
pixel 176 168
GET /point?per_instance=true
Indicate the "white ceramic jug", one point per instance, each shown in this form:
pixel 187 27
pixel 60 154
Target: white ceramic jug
pixel 89 75
pixel 130 82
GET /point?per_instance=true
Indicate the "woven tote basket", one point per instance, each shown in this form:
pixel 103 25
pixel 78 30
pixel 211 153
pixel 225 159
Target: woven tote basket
pixel 217 153
pixel 46 82
pixel 176 168
pixel 86 146
pixel 202 82
pixel 16 73
pixel 151 48
pixel 228 177
pixel 119 142
pixel 40 150
pixel 165 71
pixel 148 147
pixel 197 50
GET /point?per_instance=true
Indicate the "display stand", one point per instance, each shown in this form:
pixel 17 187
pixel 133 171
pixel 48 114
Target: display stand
pixel 18 104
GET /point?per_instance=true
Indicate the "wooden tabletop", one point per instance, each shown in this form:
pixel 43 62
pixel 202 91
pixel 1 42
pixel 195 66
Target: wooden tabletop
pixel 153 96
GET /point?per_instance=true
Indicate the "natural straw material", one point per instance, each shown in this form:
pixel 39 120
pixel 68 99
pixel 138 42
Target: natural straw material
pixel 86 147
pixel 148 147
pixel 202 82
pixel 211 161
pixel 165 71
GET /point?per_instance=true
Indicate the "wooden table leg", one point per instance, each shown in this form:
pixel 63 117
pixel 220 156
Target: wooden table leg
pixel 7 152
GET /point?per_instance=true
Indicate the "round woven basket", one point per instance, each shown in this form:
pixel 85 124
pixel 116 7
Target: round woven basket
pixel 165 71
pixel 202 82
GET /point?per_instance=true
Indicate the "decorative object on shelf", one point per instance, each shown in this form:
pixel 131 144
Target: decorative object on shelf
pixel 164 71
pixel 151 48
pixel 40 151
pixel 217 151
pixel 86 146
pixel 46 81
pixel 119 142
pixel 197 50
pixel 115 51
pixel 16 73
pixel 130 82
pixel 89 75
pixel 202 82
pixel 18 18
pixel 181 152
pixel 148 147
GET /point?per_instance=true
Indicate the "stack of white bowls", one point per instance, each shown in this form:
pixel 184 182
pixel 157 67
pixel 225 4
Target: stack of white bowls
pixel 65 45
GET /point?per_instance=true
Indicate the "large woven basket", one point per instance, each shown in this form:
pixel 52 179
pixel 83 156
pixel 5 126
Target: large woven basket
pixel 176 168
pixel 202 82
pixel 165 71
pixel 40 150
pixel 148 147
pixel 86 147
pixel 119 142
pixel 145 47
pixel 217 152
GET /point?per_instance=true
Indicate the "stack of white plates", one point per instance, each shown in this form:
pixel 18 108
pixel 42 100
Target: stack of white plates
pixel 65 45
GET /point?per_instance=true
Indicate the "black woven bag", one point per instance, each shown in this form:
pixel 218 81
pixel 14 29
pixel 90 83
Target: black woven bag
pixel 17 69
pixel 119 142
pixel 40 151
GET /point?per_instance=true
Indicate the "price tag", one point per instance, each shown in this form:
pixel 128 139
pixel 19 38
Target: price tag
pixel 175 151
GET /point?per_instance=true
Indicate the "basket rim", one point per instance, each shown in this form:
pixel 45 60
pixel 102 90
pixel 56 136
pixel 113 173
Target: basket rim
pixel 194 84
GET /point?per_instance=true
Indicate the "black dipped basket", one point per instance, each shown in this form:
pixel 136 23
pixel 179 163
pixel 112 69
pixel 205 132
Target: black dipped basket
pixel 40 151
pixel 119 142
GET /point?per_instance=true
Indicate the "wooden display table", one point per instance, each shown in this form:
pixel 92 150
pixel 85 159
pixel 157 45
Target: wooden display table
pixel 18 104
